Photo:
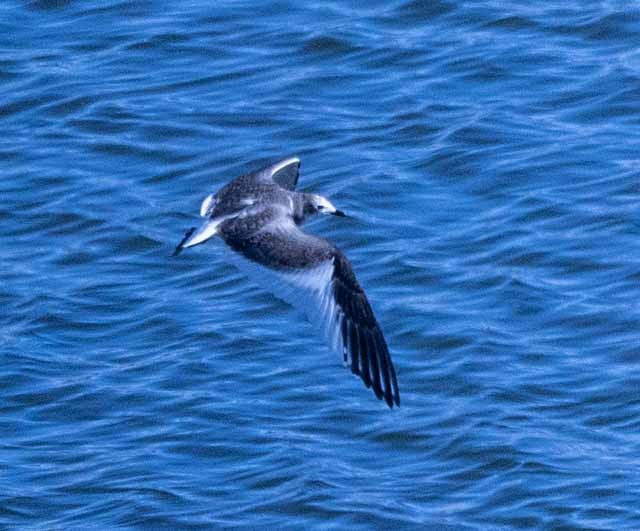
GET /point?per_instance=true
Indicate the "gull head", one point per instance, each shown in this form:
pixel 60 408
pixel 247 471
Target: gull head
pixel 316 204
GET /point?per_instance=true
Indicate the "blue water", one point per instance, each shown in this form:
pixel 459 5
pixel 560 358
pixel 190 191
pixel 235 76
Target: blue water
pixel 488 154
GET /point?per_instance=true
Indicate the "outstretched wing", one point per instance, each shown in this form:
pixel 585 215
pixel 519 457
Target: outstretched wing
pixel 284 173
pixel 315 277
pixel 364 347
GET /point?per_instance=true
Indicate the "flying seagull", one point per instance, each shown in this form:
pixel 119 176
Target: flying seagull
pixel 258 215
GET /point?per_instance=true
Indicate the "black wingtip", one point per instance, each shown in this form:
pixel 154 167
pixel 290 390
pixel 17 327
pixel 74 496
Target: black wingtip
pixel 370 361
pixel 392 399
pixel 180 246
pixel 388 400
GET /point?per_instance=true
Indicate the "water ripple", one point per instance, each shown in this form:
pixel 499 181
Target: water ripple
pixel 487 155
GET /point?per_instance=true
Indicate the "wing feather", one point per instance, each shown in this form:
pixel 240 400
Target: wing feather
pixel 284 173
pixel 315 277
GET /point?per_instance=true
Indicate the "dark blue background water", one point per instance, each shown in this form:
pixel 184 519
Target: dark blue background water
pixel 489 155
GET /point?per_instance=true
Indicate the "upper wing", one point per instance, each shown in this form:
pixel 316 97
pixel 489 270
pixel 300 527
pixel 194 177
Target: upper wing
pixel 284 173
pixel 317 278
pixel 364 346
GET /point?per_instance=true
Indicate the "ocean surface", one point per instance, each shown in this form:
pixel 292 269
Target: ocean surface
pixel 488 154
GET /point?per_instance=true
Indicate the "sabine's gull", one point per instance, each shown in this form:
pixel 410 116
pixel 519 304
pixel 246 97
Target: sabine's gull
pixel 258 215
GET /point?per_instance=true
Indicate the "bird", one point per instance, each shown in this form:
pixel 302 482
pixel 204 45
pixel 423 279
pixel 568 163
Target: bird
pixel 258 215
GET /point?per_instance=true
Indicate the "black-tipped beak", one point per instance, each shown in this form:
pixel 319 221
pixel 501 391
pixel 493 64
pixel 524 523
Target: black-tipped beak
pixel 340 213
